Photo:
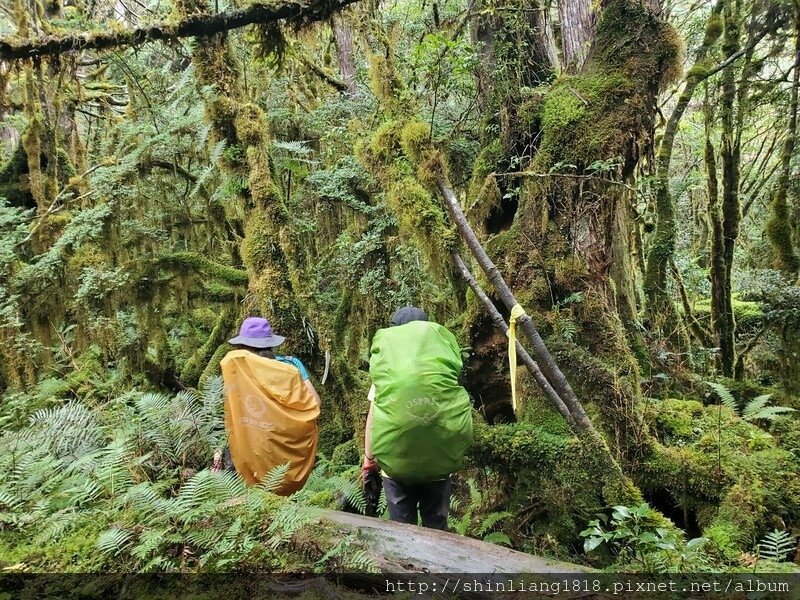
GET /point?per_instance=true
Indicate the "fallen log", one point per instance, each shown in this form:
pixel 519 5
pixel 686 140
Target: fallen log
pixel 402 548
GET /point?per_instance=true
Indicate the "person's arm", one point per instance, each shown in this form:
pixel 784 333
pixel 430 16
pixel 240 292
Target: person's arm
pixel 369 463
pixel 310 387
pixel 368 436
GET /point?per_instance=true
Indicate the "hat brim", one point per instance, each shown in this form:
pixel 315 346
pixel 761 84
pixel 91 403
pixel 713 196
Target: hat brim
pixel 267 342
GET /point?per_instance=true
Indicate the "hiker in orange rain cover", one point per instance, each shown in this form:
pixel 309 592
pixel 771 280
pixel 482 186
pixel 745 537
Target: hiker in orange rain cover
pixel 271 408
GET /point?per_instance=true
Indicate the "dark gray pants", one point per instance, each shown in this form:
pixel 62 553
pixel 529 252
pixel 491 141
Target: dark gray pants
pixel 432 499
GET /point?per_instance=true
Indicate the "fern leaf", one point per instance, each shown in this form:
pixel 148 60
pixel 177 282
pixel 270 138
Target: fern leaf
pixel 755 405
pixel 491 520
pixel 272 480
pixel 724 395
pixel 776 545
pixel 114 541
pixel 770 413
pixel 498 537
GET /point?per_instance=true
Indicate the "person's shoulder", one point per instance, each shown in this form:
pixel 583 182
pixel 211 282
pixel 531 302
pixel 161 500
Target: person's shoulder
pixel 232 355
pixel 296 362
pixel 287 358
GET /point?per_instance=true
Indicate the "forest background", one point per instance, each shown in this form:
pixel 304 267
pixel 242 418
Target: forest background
pixel 630 169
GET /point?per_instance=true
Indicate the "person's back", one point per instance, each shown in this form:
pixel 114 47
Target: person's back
pixel 420 422
pixel 270 409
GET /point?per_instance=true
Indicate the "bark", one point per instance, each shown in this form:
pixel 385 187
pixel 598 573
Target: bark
pixel 703 336
pixel 730 156
pixel 546 361
pixel 345 55
pixel 518 35
pixel 577 31
pixel 662 246
pixel 523 355
pixel 719 316
pixel 779 228
pixel 403 548
pixel 193 25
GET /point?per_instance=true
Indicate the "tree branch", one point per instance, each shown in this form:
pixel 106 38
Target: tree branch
pixel 297 12
pixel 523 355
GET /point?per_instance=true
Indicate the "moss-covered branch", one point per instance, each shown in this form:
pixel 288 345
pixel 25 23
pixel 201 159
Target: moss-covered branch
pixel 255 12
pixel 195 262
pixel 192 369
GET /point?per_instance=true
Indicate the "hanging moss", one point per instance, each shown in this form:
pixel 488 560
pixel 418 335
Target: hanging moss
pixel 198 362
pixel 193 262
pixel 421 218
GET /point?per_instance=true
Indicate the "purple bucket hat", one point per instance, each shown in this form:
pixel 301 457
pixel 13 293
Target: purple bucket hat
pixel 257 333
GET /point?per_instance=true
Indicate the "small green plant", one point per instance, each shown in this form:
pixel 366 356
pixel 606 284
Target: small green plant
pixel 633 535
pixel 474 524
pixel 777 545
pixel 755 410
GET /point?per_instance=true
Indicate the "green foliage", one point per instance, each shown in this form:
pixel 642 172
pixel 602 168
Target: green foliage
pixel 636 538
pixel 474 520
pixel 777 545
pixel 755 410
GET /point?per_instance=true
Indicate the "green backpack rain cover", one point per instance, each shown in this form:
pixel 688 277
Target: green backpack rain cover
pixel 422 418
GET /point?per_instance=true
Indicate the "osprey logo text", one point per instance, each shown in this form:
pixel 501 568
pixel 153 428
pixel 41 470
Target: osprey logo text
pixel 425 411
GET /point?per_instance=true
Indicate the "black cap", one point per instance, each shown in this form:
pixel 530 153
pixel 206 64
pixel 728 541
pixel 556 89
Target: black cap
pixel 407 314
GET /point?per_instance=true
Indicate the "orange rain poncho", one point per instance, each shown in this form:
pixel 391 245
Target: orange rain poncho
pixel 270 417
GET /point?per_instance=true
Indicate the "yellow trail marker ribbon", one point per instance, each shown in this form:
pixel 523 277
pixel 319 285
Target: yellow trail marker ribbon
pixel 516 313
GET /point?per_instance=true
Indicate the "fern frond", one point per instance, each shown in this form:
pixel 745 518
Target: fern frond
pixel 770 413
pixel 498 537
pixel 114 541
pixel 490 521
pixel 755 405
pixel 776 545
pixel 272 480
pixel 724 395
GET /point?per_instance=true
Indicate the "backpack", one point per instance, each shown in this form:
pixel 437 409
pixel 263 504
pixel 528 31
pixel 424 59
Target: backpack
pixel 422 417
pixel 270 417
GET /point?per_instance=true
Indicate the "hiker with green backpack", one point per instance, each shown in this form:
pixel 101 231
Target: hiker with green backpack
pixel 419 425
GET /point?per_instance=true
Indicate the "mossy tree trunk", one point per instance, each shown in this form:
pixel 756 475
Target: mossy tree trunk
pixel 573 231
pixel 779 228
pixel 243 126
pixel 726 215
pixel 660 308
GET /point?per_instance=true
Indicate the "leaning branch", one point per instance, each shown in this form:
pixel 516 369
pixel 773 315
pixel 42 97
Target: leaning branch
pixel 295 13
pixel 542 355
pixel 523 355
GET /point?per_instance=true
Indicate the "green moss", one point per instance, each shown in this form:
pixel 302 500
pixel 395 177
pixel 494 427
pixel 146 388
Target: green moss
pixel 217 292
pixel 346 454
pixel 332 434
pixel 747 314
pixel 484 192
pixel 199 361
pixel 421 218
pixel 212 368
pixel 75 552
pixel 415 139
pixel 512 446
pixel 736 525
pixel 677 418
pixel 714 28
pixel 719 460
pixel 193 262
